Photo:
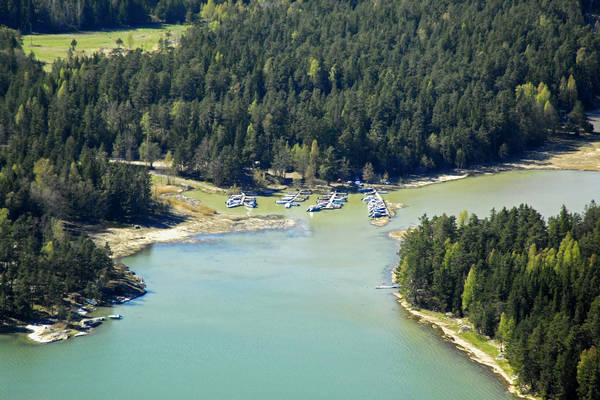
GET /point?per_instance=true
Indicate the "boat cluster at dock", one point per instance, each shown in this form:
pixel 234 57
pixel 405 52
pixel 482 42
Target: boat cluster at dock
pixel 293 199
pixel 333 201
pixel 375 203
pixel 237 200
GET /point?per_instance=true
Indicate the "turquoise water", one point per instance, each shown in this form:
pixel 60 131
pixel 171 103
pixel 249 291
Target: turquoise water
pixel 282 315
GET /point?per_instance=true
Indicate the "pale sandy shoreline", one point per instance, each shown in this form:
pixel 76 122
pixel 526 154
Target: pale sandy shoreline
pixel 560 153
pixel 472 352
pixel 47 333
pixel 126 241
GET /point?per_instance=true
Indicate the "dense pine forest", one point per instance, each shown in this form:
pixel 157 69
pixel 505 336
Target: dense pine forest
pixel 68 15
pixel 325 87
pixel 47 181
pixel 533 285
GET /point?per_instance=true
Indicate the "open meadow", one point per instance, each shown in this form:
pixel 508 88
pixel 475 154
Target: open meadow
pixel 48 47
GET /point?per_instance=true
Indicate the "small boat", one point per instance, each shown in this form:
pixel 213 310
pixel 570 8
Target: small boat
pixel 91 322
pixel 313 208
pixel 115 316
pixel 233 203
pixel 394 286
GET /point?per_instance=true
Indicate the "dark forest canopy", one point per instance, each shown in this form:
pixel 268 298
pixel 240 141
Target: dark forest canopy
pixel 325 87
pixel 531 284
pixel 67 15
pixel 46 180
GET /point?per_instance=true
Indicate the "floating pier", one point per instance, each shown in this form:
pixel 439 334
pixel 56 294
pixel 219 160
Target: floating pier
pixel 376 205
pixel 332 201
pixel 293 199
pixel 237 200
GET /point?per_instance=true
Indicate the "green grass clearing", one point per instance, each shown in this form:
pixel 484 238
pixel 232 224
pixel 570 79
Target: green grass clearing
pixel 49 47
pixel 481 343
pixel 484 345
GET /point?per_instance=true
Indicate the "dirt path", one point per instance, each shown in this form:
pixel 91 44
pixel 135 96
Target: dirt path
pixel 188 182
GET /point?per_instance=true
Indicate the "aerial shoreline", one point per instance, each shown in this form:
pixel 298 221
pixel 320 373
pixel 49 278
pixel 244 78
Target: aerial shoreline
pixel 559 154
pixel 472 352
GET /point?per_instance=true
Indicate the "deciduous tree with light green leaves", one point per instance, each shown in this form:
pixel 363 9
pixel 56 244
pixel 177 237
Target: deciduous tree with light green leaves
pixel 468 295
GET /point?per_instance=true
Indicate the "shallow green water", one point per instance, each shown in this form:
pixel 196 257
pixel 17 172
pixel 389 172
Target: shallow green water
pixel 282 315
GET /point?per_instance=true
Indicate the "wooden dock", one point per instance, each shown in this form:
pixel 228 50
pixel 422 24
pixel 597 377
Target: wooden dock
pixel 376 205
pixel 332 201
pixel 292 199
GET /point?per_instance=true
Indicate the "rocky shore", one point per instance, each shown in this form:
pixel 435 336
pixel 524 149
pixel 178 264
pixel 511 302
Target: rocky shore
pixel 122 285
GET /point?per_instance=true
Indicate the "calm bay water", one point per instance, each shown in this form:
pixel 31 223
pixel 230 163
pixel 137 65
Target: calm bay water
pixel 282 315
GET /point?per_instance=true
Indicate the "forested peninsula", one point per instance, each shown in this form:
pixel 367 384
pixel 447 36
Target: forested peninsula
pixel 532 285
pixel 46 187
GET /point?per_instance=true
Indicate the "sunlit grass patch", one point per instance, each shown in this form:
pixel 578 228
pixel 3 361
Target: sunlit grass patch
pixel 49 47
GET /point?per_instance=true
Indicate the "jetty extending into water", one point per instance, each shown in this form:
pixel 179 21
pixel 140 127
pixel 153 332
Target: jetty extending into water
pixel 332 201
pixel 293 199
pixel 237 200
pixel 375 204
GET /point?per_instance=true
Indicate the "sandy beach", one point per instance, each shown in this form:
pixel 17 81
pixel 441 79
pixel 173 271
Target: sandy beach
pixel 49 333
